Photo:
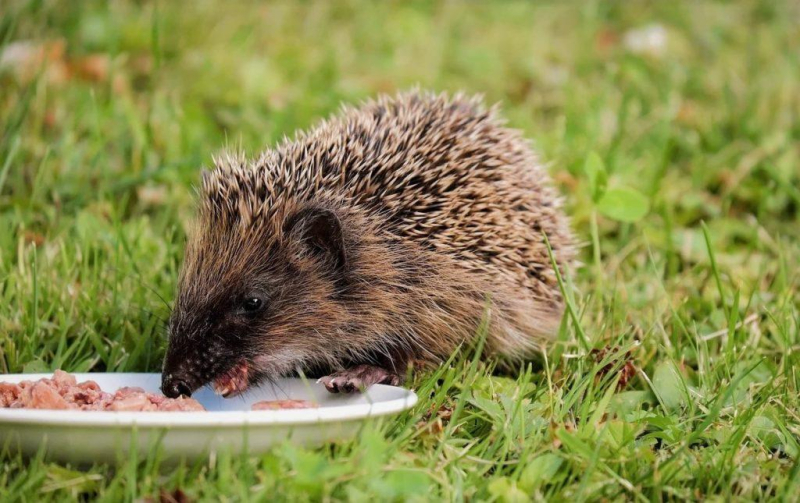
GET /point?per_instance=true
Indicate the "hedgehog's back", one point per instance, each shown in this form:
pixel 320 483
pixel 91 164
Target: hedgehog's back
pixel 445 173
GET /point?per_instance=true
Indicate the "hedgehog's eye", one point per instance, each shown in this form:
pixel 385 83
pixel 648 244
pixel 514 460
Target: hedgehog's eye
pixel 252 305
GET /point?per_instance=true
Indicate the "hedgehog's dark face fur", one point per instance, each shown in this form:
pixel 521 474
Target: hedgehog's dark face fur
pixel 257 296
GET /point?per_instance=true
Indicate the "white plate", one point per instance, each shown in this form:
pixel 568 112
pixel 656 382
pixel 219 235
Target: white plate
pixel 228 424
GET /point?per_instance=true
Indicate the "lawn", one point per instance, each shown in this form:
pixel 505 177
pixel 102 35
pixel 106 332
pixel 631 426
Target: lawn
pixel 672 129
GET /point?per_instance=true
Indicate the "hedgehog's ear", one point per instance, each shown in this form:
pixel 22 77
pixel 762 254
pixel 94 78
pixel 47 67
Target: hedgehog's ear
pixel 321 231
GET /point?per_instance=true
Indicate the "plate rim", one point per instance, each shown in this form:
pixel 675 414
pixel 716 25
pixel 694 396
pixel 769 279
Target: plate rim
pixel 210 419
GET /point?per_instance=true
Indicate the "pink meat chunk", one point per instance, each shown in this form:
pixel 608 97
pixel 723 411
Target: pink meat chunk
pixel 88 396
pixel 44 395
pixel 127 391
pixel 282 404
pixel 132 402
pixel 181 404
pixel 64 380
pixel 9 393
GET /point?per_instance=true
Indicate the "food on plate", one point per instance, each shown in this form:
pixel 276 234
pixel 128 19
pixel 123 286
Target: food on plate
pixel 64 392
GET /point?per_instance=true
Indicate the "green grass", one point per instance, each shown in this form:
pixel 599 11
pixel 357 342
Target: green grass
pixel 96 176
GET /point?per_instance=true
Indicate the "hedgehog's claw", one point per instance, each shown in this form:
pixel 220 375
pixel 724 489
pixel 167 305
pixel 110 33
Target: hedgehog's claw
pixel 359 378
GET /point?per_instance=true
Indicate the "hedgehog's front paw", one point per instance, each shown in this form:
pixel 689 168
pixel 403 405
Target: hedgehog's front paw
pixel 359 378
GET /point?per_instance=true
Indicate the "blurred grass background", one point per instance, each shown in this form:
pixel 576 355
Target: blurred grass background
pixel 109 110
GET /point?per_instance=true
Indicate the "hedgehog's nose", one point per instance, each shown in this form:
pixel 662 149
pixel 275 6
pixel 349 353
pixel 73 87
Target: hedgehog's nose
pixel 173 388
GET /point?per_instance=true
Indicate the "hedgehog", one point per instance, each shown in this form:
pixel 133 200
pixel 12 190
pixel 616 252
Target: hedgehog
pixel 391 234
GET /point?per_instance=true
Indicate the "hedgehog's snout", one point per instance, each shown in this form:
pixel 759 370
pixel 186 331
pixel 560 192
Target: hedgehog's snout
pixel 174 387
pixel 183 372
pixel 177 380
pixel 193 360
